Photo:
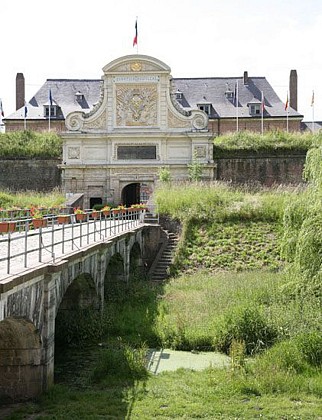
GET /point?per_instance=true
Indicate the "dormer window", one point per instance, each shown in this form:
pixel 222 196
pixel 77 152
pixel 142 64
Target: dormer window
pixel 179 95
pixel 79 96
pixel 229 94
pixel 52 109
pixel 254 107
pixel 205 108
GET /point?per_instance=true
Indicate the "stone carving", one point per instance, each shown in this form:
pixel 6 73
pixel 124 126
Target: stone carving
pixel 175 122
pixel 199 120
pixel 136 66
pixel 200 151
pixel 99 122
pixel 133 171
pixel 136 105
pixel 133 66
pixel 74 121
pixel 73 152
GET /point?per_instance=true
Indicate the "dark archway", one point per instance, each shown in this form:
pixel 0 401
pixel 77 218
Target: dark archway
pixel 78 309
pixel 115 280
pixel 95 200
pixel 131 194
pixel 21 372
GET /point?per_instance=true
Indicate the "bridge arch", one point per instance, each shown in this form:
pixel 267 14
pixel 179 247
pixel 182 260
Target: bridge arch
pixel 77 308
pixel 20 361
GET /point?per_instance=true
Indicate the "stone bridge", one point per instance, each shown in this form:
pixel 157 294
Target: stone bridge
pixel 30 302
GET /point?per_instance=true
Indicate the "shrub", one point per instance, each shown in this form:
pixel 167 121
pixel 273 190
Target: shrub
pixel 284 356
pixel 121 361
pixel 245 324
pixel 310 345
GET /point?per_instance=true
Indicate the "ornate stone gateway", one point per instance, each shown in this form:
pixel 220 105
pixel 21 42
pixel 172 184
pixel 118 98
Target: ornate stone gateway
pixel 136 128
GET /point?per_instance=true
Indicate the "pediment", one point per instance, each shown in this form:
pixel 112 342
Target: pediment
pixel 136 63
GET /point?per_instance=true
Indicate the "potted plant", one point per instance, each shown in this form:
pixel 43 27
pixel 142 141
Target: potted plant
pixel 119 209
pixel 79 214
pixel 38 219
pixel 63 219
pixel 7 226
pixel 106 210
pixel 95 214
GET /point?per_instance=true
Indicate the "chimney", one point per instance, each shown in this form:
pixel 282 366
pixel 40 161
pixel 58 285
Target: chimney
pixel 245 77
pixel 20 90
pixel 293 89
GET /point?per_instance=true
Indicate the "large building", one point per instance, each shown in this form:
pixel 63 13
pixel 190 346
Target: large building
pixel 119 130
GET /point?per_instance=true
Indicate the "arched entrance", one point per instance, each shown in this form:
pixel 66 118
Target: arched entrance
pixel 136 192
pixel 131 194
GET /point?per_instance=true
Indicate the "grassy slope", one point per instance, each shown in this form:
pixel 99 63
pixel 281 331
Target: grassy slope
pixel 280 384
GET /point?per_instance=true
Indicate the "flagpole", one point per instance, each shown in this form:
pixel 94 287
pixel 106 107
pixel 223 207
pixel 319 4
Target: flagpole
pixel 262 122
pixel 25 110
pixel 312 104
pixel 50 104
pixel 287 112
pixel 237 99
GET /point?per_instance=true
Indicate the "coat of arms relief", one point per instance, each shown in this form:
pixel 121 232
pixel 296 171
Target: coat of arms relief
pixel 136 105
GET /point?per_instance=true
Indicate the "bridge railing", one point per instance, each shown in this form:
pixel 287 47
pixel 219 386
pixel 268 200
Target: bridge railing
pixel 29 246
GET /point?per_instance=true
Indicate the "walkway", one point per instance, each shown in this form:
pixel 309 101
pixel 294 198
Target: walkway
pixel 21 251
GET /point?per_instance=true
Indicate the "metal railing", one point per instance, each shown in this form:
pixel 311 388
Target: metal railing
pixel 28 246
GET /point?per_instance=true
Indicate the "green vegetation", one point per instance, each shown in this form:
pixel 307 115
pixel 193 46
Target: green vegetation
pixel 30 144
pixel 24 200
pixel 233 291
pixel 270 141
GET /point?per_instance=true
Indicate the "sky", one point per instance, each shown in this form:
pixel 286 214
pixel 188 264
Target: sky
pixel 75 39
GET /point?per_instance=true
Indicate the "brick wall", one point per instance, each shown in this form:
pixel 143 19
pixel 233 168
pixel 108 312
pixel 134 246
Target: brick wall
pixel 34 175
pixel 36 125
pixel 265 169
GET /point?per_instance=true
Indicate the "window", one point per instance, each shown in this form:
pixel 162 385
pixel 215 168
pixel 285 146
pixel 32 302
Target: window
pixel 205 107
pixel 136 152
pixel 254 109
pixel 229 94
pixel 53 110
pixel 179 95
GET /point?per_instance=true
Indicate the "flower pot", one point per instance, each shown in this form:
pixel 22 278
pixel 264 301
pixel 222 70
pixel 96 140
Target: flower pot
pixel 80 217
pixel 116 211
pixel 95 214
pixel 7 227
pixel 38 223
pixel 63 219
pixel 106 212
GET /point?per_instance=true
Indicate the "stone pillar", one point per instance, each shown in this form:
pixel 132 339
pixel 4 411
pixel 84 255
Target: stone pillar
pixel 48 331
pixel 20 90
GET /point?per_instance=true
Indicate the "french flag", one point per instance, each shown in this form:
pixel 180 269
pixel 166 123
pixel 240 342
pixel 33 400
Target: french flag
pixel 135 39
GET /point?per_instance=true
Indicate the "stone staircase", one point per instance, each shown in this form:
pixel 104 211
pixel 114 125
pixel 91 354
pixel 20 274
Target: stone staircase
pixel 160 270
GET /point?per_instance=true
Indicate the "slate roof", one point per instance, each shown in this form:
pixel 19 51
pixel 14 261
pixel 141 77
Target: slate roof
pixel 208 90
pixel 212 90
pixel 310 126
pixel 63 93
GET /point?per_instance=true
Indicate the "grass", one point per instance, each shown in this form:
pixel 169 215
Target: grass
pixel 243 306
pixel 30 144
pixel 272 141
pixel 28 199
